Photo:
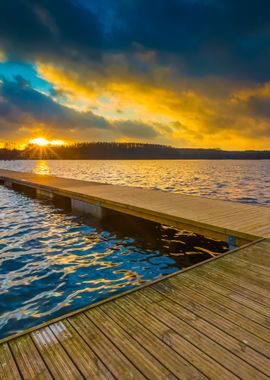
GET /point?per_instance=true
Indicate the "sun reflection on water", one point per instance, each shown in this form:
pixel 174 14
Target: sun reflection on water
pixel 42 167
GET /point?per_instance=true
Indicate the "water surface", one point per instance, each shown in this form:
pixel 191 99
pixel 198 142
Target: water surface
pixel 52 262
pixel 245 181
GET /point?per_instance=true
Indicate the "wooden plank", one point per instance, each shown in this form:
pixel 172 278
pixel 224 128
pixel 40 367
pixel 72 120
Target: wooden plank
pixel 150 299
pixel 265 244
pixel 244 263
pixel 237 318
pixel 227 282
pixel 28 359
pixel 237 297
pixel 160 348
pixel 130 318
pixel 110 355
pixel 217 319
pixel 241 282
pixel 203 334
pixel 135 352
pixel 254 221
pixel 57 360
pixel 239 267
pixel 263 228
pixel 259 254
pixel 83 357
pixel 236 218
pixel 8 367
pixel 258 280
pixel 203 288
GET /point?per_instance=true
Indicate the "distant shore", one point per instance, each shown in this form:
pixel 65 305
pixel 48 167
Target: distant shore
pixel 126 151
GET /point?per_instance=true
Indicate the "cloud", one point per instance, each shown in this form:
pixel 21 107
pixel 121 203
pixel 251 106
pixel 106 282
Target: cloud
pixel 49 29
pixel 200 37
pixel 24 99
pixel 136 129
pixel 201 112
pixel 183 72
pixel 260 106
pixel 22 105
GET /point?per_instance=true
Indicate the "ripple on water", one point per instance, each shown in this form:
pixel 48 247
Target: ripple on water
pixel 52 262
pixel 234 180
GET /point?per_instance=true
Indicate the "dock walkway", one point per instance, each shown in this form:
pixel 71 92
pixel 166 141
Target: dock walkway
pixel 214 218
pixel 210 321
pixel 207 322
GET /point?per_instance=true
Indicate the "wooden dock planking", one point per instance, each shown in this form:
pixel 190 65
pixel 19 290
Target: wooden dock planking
pixel 232 295
pixel 164 352
pixel 221 302
pixel 8 367
pixel 54 355
pixel 148 364
pixel 225 282
pixel 205 348
pixel 196 324
pixel 112 357
pixel 77 349
pixel 124 340
pixel 28 359
pixel 214 218
pixel 152 302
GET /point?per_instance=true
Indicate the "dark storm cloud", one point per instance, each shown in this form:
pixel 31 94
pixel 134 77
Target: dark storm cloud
pixel 19 102
pixel 229 37
pixel 49 28
pixel 201 37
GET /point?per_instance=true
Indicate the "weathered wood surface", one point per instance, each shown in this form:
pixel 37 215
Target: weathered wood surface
pixel 211 321
pixel 215 218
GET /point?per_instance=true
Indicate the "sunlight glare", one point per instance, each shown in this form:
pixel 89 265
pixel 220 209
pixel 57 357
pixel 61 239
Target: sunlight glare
pixel 41 141
pixel 57 142
pixel 42 168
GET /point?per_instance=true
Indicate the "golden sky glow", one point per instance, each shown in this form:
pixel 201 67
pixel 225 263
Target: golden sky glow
pixel 176 72
pixel 188 112
pixel 41 141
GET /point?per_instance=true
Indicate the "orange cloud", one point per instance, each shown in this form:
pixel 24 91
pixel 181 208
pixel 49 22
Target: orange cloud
pixel 206 112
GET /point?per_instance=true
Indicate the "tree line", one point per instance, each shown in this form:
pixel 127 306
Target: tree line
pixel 124 151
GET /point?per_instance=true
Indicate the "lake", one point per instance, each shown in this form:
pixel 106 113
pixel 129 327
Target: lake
pixel 245 181
pixel 53 262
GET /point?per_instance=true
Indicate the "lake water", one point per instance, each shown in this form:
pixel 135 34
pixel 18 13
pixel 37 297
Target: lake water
pixel 53 262
pixel 235 180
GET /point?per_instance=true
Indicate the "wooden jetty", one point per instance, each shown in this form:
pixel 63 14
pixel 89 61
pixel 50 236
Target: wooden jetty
pixel 224 220
pixel 207 322
pixel 210 321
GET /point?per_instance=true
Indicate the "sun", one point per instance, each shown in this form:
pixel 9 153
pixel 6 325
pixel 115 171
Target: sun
pixel 42 142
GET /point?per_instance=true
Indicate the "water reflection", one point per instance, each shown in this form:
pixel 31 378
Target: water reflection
pixel 42 167
pixel 53 262
pixel 245 181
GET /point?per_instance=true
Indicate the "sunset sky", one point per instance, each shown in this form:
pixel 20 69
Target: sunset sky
pixel 189 73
